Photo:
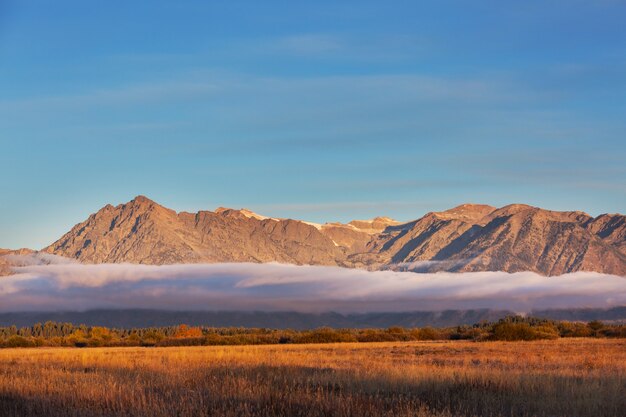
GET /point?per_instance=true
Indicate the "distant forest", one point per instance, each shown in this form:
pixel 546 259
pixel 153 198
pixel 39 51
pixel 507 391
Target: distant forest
pixel 300 321
pixel 512 328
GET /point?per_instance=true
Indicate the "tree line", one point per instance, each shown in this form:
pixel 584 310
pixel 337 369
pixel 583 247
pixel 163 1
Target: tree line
pixel 510 328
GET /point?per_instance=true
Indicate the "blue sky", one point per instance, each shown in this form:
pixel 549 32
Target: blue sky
pixel 321 110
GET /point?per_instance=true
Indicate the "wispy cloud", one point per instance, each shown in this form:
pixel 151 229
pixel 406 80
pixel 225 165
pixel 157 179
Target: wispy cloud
pixel 117 95
pixel 299 288
pixel 37 258
pixel 207 83
pixel 307 44
pixel 336 47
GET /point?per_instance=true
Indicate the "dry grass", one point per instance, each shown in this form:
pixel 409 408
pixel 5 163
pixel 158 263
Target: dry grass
pixel 573 377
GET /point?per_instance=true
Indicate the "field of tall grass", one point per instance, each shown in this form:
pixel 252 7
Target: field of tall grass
pixel 564 377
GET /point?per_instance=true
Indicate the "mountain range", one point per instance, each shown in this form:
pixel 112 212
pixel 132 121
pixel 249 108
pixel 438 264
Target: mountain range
pixel 470 237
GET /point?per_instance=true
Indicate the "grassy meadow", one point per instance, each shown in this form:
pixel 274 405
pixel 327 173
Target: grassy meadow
pixel 562 377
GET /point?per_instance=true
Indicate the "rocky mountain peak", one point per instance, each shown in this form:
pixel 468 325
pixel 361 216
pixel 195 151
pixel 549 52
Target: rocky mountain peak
pixel 469 237
pixel 466 212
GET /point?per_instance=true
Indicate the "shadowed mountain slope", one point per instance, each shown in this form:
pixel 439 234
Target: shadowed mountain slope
pixel 611 228
pixel 513 238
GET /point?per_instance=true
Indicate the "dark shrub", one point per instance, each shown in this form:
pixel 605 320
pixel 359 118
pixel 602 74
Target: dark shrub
pixel 468 333
pixel 428 333
pixel 522 331
pixel 595 327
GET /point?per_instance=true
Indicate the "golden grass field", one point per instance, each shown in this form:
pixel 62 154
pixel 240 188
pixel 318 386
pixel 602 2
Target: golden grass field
pixel 565 377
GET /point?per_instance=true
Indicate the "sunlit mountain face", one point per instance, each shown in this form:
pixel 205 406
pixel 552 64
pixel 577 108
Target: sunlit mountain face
pixel 467 238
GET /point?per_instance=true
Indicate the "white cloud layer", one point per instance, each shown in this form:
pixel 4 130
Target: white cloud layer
pixel 279 287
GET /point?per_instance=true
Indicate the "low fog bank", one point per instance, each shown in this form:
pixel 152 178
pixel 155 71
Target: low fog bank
pixel 58 286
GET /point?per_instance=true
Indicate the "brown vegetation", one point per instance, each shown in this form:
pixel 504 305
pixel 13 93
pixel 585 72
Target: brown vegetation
pixel 509 328
pixel 564 377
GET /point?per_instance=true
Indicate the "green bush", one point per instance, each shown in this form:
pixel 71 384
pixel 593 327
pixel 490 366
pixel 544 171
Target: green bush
pixel 18 342
pixel 469 333
pixel 151 338
pixel 182 341
pixel 326 335
pixel 373 335
pixel 567 329
pixel 522 331
pixel 132 339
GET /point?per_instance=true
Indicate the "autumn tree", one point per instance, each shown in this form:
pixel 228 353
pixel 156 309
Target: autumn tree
pixel 184 331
